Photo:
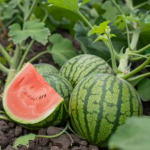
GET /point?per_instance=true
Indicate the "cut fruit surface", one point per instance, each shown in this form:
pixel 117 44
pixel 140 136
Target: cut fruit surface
pixel 29 98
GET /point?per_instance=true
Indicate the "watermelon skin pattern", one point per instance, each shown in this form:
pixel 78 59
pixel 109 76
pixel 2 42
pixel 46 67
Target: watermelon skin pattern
pixel 59 116
pixel 99 104
pixel 83 65
pixel 61 85
pixel 44 68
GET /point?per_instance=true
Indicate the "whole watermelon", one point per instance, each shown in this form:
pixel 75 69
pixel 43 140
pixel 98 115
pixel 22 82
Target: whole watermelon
pixel 83 65
pixel 99 104
pixel 44 68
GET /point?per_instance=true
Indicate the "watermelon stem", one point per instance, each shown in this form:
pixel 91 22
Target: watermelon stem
pixel 27 17
pixel 37 56
pixel 114 65
pixel 74 132
pixel 56 135
pixel 2 112
pixel 142 49
pixel 4 117
pixel 137 69
pixel 5 54
pixel 68 135
pixel 139 77
pixel 25 54
pixel 13 66
pixel 85 20
pixel 127 28
pixel 4 69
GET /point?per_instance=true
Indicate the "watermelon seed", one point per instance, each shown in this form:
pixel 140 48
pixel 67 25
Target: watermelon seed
pixel 20 81
pixel 32 87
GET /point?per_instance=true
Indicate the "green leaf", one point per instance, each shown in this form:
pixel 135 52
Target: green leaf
pixel 120 40
pixel 58 17
pixel 56 38
pixel 3 60
pixel 62 49
pixel 122 20
pixel 147 20
pixel 87 44
pixel 24 140
pixel 144 89
pixel 84 2
pixel 6 8
pixel 110 11
pixel 133 135
pixel 33 28
pixel 66 4
pixel 112 35
pixel 101 37
pixel 99 29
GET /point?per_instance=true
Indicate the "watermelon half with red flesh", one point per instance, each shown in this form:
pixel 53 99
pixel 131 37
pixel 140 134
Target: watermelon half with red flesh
pixel 31 101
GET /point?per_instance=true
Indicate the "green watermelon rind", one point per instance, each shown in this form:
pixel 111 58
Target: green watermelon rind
pixel 59 116
pixel 44 68
pixel 95 114
pixel 83 65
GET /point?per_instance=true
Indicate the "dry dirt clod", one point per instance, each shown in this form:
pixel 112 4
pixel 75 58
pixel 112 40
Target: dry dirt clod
pixel 10 136
pixel 42 131
pixel 23 148
pixel 54 148
pixel 45 148
pixel 61 141
pixel 9 147
pixel 75 148
pixel 11 124
pixel 3 140
pixel 92 147
pixel 53 131
pixel 83 143
pixel 3 126
pixel 18 130
pixel 32 145
pixel 83 148
pixel 76 139
pixel 64 149
pixel 43 141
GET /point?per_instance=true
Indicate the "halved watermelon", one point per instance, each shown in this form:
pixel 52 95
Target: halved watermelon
pixel 31 101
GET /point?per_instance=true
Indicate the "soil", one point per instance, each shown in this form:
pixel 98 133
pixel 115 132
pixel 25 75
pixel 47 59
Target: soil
pixel 9 131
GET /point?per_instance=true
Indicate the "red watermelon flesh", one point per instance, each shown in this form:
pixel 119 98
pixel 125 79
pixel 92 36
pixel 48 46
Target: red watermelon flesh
pixel 29 98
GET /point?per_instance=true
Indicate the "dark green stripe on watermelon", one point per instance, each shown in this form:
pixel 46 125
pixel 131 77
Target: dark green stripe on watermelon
pixel 99 104
pixel 83 65
pixel 61 85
